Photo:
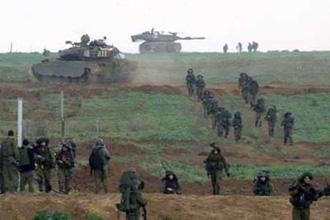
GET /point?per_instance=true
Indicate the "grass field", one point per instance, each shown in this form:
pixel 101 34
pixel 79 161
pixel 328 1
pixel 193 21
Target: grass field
pixel 167 126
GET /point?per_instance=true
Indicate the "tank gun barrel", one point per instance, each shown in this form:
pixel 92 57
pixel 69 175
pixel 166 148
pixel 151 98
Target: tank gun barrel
pixel 191 38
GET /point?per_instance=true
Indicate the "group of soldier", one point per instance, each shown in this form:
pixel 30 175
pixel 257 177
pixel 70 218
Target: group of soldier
pixel 252 47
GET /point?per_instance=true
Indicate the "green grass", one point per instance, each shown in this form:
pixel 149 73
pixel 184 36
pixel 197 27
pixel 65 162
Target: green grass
pixel 311 112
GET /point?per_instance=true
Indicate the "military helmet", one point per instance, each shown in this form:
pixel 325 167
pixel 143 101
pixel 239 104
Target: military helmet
pixel 243 74
pixel 287 114
pixel 190 70
pixel 200 76
pixel 263 173
pixel 237 114
pixel 99 141
pixel 302 177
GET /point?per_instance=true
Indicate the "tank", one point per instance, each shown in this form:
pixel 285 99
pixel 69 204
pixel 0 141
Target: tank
pixel 159 42
pixel 85 62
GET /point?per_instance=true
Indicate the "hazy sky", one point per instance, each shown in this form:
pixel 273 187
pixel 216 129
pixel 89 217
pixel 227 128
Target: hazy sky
pixel 276 24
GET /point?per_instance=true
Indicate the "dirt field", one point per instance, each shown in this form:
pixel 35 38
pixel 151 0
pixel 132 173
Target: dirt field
pixel 177 207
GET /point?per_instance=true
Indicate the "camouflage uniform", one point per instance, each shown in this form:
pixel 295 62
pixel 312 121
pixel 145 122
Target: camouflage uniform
pixel 214 165
pixel 287 124
pixel 45 164
pixel 200 85
pixel 131 187
pixel 263 185
pixel 206 98
pixel 9 158
pixel 302 196
pixel 242 80
pixel 190 81
pixel 253 91
pixel 237 125
pixel 101 174
pixel 260 109
pixel 171 183
pixel 223 123
pixel 26 166
pixel 271 118
pixel 245 88
pixel 65 163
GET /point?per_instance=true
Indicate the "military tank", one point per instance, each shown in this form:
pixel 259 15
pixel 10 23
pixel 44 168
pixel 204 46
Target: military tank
pixel 85 62
pixel 159 42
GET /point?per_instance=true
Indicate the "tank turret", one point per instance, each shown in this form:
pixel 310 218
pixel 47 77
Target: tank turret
pixel 159 42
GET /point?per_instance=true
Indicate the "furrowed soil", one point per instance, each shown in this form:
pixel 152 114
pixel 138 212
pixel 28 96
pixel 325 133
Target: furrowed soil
pixel 159 206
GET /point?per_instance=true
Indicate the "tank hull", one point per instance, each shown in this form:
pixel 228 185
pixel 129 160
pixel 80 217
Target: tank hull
pixel 59 71
pixel 160 47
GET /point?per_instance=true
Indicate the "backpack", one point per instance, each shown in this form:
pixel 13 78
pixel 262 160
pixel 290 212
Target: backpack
pixel 126 187
pixel 95 160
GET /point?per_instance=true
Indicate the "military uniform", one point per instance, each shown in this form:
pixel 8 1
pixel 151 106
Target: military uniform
pixel 190 81
pixel 45 164
pixel 263 185
pixel 242 80
pixel 100 171
pixel 302 196
pixel 65 163
pixel 271 118
pixel 200 85
pixel 244 85
pixel 260 109
pixel 223 123
pixel 253 91
pixel 9 158
pixel 215 164
pixel 288 123
pixel 132 201
pixel 171 183
pixel 26 166
pixel 206 99
pixel 237 125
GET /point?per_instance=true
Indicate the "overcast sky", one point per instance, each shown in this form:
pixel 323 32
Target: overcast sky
pixel 276 24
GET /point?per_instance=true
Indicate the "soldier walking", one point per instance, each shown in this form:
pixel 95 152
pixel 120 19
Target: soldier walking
pixel 260 109
pixel 271 118
pixel 253 91
pixel 288 123
pixel 190 81
pixel 237 125
pixel 200 85
pixel 223 122
pixel 215 164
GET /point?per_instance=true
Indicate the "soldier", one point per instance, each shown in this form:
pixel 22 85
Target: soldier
pixel 69 141
pixel 288 123
pixel 190 81
pixel 200 85
pixel 98 162
pixel 260 109
pixel 255 46
pixel 214 165
pixel 243 77
pixel 206 98
pixel 9 158
pixel 245 88
pixel 132 202
pixel 303 194
pixel 253 91
pixel 223 122
pixel 249 47
pixel 271 118
pixel 45 164
pixel 239 47
pixel 263 185
pixel 225 48
pixel 26 165
pixel 237 125
pixel 65 162
pixel 171 183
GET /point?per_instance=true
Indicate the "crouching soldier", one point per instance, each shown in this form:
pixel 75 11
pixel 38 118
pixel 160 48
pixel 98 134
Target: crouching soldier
pixel 171 183
pixel 26 165
pixel 303 194
pixel 263 185
pixel 65 163
pixel 45 164
pixel 132 202
pixel 215 164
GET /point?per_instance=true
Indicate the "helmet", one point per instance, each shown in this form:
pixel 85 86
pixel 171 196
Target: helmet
pixel 287 114
pixel 190 70
pixel 237 114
